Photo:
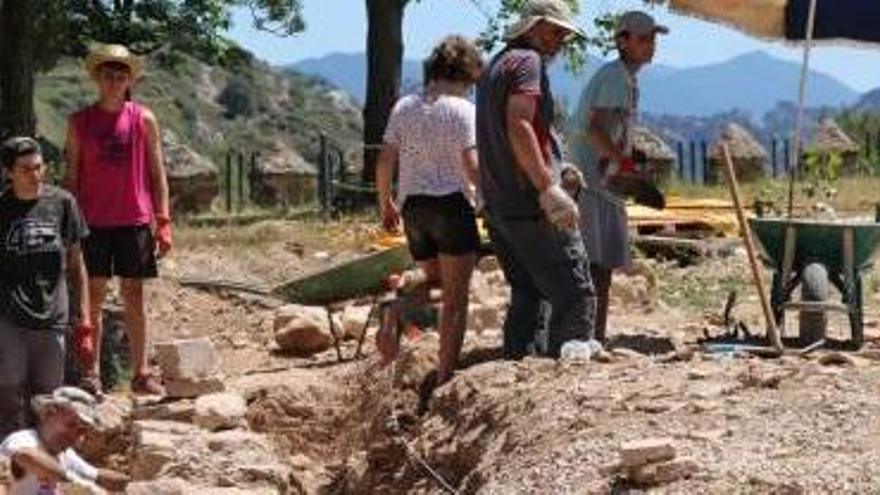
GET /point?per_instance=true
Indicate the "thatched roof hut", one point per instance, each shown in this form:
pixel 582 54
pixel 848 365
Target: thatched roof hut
pixel 831 139
pixel 282 177
pixel 659 156
pixel 746 152
pixel 192 178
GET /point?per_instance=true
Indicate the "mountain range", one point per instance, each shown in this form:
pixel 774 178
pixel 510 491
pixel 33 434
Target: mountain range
pixel 754 83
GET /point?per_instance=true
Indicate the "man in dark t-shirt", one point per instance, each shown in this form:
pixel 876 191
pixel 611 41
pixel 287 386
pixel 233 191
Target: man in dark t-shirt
pixel 40 233
pixel 533 221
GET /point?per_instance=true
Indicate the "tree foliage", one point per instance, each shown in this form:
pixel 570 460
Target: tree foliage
pixel 598 38
pixel 197 27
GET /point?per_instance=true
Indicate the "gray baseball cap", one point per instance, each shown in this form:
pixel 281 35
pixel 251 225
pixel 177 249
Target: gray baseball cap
pixel 638 23
pixel 73 399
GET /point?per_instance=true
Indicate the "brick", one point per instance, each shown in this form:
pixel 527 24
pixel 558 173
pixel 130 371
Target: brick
pixel 661 473
pixel 189 389
pixel 641 452
pixel 187 359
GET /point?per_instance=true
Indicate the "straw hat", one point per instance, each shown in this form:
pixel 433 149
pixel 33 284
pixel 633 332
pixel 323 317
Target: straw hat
pixel 102 54
pixel 73 399
pixel 552 11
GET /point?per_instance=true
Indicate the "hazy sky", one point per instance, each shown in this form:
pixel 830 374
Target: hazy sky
pixel 340 26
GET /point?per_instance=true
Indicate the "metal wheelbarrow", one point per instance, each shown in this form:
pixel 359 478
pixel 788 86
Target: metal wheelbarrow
pixel 803 252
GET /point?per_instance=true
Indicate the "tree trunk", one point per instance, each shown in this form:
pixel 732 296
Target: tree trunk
pixel 17 67
pixel 384 59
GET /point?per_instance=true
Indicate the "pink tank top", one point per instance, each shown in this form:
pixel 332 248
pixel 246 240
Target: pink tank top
pixel 115 187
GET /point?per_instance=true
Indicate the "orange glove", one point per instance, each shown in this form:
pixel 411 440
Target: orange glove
pixel 163 234
pixel 84 345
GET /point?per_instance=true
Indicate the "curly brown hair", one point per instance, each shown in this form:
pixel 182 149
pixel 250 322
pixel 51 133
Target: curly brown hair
pixel 455 58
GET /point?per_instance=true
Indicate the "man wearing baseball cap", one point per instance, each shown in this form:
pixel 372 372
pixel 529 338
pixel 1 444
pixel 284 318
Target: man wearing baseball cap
pixel 43 458
pixel 533 221
pixel 603 149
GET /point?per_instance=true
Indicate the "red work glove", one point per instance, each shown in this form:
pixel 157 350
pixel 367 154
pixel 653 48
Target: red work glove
pixel 627 166
pixel 163 234
pixel 84 345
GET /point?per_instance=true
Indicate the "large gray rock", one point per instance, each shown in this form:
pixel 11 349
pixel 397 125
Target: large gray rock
pixel 302 330
pixel 220 411
pixel 354 319
pixel 234 458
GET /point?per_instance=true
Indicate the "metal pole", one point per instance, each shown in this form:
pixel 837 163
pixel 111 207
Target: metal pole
pixel 707 172
pixel 240 180
pixel 786 153
pixel 680 149
pixel 229 181
pixel 773 155
pixel 250 175
pixel 322 175
pixel 802 98
pixel 693 149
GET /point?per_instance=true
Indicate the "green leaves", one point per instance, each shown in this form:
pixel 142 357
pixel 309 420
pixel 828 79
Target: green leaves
pixel 196 27
pixel 600 37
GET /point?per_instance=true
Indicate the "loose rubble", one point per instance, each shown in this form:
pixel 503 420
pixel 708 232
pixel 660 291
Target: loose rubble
pixel 292 419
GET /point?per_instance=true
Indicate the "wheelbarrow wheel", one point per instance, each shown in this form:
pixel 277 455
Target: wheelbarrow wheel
pixel 814 288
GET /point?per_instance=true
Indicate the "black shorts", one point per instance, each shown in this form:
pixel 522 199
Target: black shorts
pixel 440 225
pixel 127 252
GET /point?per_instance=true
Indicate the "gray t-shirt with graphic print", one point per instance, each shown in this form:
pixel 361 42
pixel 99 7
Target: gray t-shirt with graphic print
pixel 34 237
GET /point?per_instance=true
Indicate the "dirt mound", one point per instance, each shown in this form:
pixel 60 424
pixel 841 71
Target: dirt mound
pixel 542 427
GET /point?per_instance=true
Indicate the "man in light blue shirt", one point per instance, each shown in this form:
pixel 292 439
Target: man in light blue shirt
pixel 602 148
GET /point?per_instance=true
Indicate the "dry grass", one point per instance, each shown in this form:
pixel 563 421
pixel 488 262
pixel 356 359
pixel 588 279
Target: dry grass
pixel 854 195
pixel 345 232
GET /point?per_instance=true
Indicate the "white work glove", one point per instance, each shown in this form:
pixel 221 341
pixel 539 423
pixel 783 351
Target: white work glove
pixel 559 207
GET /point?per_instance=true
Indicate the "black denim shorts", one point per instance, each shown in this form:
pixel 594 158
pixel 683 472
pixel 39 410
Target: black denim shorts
pixel 440 225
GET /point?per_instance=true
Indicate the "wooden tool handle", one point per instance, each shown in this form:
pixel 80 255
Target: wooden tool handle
pixel 757 274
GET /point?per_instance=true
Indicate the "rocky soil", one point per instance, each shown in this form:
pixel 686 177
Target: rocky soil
pixel 303 422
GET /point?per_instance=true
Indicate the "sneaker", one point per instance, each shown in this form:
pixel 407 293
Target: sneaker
pixel 147 384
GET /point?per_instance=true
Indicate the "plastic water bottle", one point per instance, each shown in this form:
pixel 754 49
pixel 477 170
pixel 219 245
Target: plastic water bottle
pixel 579 350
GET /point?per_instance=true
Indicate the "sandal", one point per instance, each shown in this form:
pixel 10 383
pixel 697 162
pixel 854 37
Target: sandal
pixel 147 384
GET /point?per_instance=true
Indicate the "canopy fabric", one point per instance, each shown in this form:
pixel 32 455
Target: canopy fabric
pixel 763 18
pixel 835 19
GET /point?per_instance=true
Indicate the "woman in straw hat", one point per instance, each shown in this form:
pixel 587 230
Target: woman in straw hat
pixel 115 169
pixel 43 458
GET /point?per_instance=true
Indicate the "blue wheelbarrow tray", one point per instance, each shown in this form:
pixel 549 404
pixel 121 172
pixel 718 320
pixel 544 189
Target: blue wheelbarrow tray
pixel 845 247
